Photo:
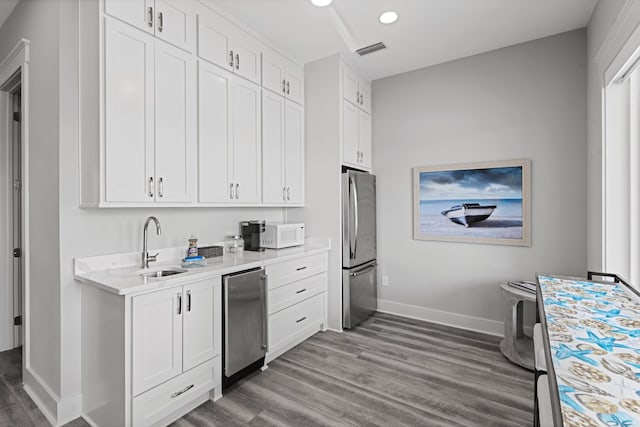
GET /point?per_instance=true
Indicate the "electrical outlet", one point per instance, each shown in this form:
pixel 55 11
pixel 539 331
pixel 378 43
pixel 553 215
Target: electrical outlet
pixel 385 280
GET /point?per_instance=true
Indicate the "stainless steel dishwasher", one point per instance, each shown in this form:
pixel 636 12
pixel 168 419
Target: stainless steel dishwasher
pixel 244 323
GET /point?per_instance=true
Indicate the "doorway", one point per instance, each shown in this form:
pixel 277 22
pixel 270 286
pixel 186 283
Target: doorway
pixel 16 212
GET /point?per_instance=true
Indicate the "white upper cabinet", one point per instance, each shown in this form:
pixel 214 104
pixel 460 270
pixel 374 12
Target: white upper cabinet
pixel 128 114
pixel 229 138
pixel 175 134
pixel 224 44
pixel 283 150
pixel 356 136
pixel 170 20
pixel 282 76
pixel 364 139
pixel 355 89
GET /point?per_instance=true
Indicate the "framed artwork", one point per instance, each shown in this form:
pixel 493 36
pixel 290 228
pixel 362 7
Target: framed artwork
pixel 475 202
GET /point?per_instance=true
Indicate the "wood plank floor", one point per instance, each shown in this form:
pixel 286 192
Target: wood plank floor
pixel 390 371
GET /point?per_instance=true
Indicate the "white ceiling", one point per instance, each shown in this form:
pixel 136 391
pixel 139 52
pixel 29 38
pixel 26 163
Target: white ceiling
pixel 6 7
pixel 428 32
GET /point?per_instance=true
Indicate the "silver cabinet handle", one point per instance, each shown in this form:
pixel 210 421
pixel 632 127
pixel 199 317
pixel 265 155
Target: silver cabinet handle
pixel 160 21
pixel 237 191
pixel 179 303
pixel 184 390
pixel 231 59
pixel 150 186
pixel 288 193
pixel 237 61
pixel 357 97
pixel 301 291
pixel 150 16
pixel 361 99
pixel 161 187
pixel 288 88
pixel 301 319
pixel 231 190
pixel 188 300
pixel 301 268
pixel 284 86
pixel 284 193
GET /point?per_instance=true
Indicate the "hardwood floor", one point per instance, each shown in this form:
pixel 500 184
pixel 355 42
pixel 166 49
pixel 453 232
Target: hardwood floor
pixel 390 371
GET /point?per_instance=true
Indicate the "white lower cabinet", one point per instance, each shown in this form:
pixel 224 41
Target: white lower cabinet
pixel 296 302
pixel 150 358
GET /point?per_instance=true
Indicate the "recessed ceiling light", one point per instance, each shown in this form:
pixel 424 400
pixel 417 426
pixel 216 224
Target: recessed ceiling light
pixel 321 3
pixel 388 17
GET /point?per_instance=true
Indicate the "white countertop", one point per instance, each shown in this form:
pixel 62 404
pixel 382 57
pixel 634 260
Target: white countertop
pixel 119 275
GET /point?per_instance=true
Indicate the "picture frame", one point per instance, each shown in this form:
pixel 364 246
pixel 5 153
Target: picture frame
pixel 485 202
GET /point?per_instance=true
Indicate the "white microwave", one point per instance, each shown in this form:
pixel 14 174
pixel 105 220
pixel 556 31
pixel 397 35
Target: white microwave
pixel 277 235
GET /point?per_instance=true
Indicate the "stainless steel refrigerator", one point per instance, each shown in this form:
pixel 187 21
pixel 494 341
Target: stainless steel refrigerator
pixel 359 267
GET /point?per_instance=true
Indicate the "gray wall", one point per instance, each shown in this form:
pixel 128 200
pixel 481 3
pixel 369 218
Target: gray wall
pixel 526 101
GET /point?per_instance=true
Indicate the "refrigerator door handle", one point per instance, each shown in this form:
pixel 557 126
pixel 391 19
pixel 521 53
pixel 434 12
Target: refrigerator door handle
pixel 355 214
pixel 367 268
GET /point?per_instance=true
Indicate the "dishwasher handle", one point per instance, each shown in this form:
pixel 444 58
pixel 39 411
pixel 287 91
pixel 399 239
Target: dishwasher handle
pixel 265 325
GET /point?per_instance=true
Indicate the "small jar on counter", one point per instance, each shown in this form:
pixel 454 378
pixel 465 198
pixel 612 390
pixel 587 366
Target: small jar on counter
pixel 234 244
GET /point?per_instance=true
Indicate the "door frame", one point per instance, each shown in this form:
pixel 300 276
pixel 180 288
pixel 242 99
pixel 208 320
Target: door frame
pixel 15 63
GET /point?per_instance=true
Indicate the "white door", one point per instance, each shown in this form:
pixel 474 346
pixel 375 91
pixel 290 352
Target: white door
pixel 139 13
pixel 273 135
pixel 156 338
pixel 294 152
pixel 365 98
pixel 350 133
pixel 214 136
pixel 16 175
pixel 214 39
pixel 295 83
pixel 247 140
pixel 350 80
pixel 364 139
pixel 202 322
pixel 175 142
pixel 247 53
pixel 273 72
pixel 129 113
pixel 176 22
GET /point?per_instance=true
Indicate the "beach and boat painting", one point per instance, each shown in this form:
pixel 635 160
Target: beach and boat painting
pixel 476 203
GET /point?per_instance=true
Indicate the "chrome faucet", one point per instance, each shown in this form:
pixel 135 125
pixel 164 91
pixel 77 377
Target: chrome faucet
pixel 146 258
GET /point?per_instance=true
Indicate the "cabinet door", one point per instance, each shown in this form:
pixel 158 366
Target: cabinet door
pixel 364 139
pixel 247 139
pixel 365 91
pixel 294 152
pixel 295 82
pixel 214 39
pixel 202 323
pixel 350 133
pixel 176 22
pixel 175 154
pixel 273 72
pixel 139 13
pixel 128 113
pixel 350 80
pixel 273 137
pixel 247 53
pixel 156 338
pixel 214 136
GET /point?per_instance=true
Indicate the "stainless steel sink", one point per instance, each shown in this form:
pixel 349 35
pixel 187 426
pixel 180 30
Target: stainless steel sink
pixel 157 274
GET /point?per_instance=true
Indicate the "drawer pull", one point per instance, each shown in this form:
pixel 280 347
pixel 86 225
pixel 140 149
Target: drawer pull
pixel 301 268
pixel 300 320
pixel 184 390
pixel 301 291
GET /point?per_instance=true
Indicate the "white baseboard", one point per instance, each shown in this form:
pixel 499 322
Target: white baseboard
pixel 478 324
pixel 41 394
pixel 57 411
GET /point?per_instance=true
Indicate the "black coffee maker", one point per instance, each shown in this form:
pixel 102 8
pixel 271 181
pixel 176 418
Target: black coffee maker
pixel 251 234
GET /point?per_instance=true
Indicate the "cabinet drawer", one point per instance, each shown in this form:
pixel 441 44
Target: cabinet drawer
pixel 287 272
pixel 151 407
pixel 286 324
pixel 293 293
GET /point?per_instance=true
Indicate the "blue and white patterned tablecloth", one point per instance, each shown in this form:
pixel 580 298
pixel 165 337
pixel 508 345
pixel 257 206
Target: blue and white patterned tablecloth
pixel 594 335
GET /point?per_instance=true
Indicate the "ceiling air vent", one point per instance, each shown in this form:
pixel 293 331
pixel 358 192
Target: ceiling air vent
pixel 370 49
